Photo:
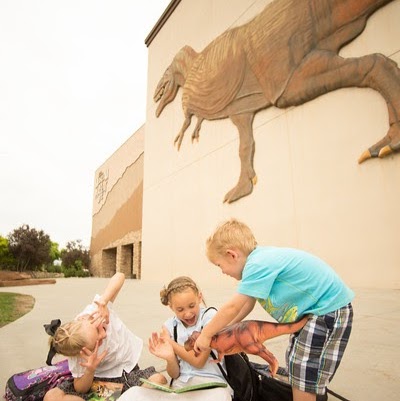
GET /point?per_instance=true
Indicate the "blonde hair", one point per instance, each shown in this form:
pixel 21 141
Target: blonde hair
pixel 230 234
pixel 178 285
pixel 69 339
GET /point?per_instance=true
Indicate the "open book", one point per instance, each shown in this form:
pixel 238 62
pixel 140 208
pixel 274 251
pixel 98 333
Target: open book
pixel 193 387
pixel 105 391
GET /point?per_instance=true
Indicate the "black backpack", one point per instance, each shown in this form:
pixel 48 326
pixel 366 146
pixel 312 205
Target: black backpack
pixel 240 375
pixel 272 388
pixel 252 381
pixel 278 389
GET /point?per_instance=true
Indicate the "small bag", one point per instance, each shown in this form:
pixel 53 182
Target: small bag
pixel 33 384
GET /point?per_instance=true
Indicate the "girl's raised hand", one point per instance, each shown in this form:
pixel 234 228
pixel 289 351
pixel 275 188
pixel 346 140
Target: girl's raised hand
pixel 164 334
pixel 160 347
pixel 90 358
pixel 101 315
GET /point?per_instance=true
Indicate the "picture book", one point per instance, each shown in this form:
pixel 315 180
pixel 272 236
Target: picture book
pixel 105 391
pixel 200 386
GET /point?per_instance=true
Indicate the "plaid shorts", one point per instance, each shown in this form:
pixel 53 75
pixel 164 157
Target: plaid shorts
pixel 315 352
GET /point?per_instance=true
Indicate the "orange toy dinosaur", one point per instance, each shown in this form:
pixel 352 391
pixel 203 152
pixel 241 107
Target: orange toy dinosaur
pixel 248 336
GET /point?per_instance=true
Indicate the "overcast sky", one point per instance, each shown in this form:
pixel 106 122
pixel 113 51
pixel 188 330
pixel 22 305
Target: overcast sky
pixel 72 89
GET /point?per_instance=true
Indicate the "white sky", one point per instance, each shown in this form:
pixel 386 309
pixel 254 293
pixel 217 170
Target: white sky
pixel 72 89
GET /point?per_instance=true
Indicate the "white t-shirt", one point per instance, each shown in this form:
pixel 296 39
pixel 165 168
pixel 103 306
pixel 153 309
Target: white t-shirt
pixel 123 347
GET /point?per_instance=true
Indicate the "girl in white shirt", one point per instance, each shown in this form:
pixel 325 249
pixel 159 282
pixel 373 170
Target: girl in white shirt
pixel 99 347
pixel 185 368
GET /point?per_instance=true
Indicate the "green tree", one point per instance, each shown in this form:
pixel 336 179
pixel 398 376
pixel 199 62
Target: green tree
pixel 75 255
pixel 7 260
pixel 30 247
pixel 54 252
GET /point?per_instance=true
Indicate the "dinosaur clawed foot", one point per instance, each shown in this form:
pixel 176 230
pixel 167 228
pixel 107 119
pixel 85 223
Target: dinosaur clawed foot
pixel 178 141
pixel 367 154
pixel 196 135
pixel 389 144
pixel 243 188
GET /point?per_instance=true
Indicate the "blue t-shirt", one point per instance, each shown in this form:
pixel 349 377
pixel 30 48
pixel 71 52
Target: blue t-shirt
pixel 290 283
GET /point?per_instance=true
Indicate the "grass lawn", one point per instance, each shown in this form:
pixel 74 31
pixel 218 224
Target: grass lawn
pixel 13 306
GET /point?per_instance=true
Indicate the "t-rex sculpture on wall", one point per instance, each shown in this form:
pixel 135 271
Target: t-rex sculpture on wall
pixel 285 56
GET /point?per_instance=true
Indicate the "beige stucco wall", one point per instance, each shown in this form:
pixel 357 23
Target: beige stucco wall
pixel 311 192
pixel 117 211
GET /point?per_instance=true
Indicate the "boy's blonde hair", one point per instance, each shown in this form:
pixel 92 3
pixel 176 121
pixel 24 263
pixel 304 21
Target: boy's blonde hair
pixel 69 339
pixel 177 285
pixel 230 234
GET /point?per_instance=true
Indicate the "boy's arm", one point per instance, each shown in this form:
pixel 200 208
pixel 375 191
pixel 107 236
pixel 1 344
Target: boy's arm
pixel 246 309
pixel 238 306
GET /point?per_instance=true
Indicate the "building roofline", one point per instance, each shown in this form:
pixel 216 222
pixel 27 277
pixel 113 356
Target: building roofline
pixel 161 21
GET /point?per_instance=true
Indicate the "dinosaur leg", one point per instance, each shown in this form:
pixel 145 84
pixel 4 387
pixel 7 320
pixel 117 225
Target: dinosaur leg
pixel 196 132
pixel 246 153
pixel 324 71
pixel 270 358
pixel 179 137
pixel 260 350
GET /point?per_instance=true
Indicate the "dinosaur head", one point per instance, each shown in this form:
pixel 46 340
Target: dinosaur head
pixel 173 77
pixel 189 343
pixel 166 90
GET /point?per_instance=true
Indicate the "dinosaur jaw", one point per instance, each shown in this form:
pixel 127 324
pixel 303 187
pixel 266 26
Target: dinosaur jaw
pixel 165 94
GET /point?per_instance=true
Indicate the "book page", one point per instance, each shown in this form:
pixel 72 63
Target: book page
pixel 157 386
pixel 186 388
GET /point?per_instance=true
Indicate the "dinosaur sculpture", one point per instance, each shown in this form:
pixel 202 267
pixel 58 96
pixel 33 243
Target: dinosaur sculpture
pixel 285 56
pixel 248 336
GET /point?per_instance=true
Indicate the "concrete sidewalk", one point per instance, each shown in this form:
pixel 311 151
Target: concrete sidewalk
pixel 370 369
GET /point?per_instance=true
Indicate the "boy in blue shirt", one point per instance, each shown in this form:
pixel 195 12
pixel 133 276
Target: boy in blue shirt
pixel 288 283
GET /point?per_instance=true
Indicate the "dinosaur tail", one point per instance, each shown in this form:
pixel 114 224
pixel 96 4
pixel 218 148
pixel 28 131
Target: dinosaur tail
pixel 279 329
pixel 290 328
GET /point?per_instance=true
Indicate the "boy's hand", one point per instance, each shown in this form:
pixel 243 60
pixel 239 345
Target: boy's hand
pixel 202 343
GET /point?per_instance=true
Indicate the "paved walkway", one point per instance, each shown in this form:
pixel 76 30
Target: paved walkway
pixel 370 369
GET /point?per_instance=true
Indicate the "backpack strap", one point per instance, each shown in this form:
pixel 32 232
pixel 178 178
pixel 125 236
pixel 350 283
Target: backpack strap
pixel 175 331
pixel 212 353
pixel 210 307
pixel 176 324
pixel 219 366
